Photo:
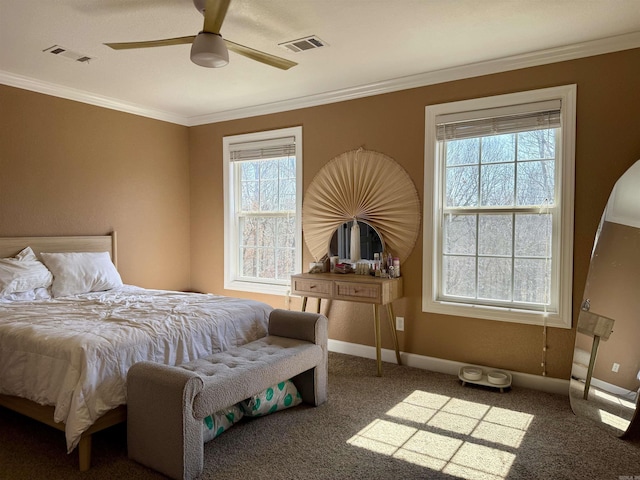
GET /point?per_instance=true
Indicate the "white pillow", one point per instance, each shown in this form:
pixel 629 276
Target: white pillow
pixel 23 273
pixel 81 272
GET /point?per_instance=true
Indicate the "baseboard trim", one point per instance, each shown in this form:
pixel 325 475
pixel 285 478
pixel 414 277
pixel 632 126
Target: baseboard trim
pixel 526 380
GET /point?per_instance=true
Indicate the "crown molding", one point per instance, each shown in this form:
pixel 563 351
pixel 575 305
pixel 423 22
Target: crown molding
pixel 531 59
pixel 27 83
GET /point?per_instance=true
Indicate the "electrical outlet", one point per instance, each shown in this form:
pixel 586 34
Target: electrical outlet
pixel 615 368
pixel 400 324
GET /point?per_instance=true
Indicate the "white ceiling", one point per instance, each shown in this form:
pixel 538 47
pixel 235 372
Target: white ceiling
pixel 374 46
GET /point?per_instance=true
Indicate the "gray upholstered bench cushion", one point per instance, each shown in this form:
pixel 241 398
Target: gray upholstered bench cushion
pixel 236 374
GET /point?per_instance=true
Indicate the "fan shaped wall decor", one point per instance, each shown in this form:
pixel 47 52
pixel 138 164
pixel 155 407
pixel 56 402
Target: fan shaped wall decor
pixel 370 187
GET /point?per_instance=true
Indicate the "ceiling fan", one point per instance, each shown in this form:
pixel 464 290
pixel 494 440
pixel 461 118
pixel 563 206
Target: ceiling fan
pixel 208 48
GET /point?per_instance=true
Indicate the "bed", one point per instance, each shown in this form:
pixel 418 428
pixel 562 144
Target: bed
pixel 64 353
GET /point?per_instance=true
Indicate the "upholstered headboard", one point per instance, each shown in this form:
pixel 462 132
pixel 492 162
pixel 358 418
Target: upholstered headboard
pixel 9 246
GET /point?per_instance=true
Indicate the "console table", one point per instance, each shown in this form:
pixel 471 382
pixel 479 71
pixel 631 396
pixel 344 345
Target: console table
pixel 353 288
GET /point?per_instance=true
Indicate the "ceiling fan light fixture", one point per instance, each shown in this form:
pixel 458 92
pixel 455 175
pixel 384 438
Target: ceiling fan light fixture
pixel 209 50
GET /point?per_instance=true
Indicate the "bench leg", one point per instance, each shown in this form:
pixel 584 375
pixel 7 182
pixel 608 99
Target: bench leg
pixel 312 385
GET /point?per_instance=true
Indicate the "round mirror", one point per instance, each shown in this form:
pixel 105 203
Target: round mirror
pixel 605 375
pixel 370 241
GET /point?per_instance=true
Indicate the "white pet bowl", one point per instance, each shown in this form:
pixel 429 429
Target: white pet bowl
pixel 497 378
pixel 472 373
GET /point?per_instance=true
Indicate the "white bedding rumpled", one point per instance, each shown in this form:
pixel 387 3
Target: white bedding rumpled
pixel 74 352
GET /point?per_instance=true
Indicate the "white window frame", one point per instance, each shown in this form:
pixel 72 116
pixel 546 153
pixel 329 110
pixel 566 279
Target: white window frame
pixel 565 177
pixel 232 279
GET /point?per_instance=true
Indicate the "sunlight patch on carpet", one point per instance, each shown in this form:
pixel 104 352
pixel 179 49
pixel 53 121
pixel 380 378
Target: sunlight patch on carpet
pixel 614 399
pixel 465 439
pixel 615 421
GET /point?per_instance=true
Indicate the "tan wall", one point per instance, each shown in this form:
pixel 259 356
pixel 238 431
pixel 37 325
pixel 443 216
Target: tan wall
pixel 607 144
pixel 67 168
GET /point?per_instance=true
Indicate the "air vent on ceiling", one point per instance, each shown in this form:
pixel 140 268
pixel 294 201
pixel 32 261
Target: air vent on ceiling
pixel 63 52
pixel 302 44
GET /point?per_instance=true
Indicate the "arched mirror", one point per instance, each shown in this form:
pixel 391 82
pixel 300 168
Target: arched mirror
pixel 369 241
pixel 605 377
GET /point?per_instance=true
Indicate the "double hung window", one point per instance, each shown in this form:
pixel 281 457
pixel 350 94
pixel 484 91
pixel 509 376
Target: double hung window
pixel 263 232
pixel 499 212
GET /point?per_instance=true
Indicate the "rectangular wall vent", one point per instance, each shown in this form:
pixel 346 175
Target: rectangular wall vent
pixel 302 44
pixel 63 52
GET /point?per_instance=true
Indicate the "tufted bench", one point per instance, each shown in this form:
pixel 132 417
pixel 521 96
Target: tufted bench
pixel 166 404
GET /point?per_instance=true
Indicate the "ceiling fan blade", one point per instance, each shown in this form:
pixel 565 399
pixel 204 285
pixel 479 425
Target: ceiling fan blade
pixel 214 13
pixel 152 43
pixel 259 56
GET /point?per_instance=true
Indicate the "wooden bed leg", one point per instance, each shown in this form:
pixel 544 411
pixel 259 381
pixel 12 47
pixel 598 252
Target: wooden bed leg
pixel 84 452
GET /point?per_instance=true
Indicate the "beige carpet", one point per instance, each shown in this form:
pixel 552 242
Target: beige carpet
pixel 409 424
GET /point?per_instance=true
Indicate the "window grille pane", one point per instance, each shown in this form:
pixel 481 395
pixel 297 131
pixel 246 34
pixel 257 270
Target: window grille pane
pixel 287 195
pixel 249 186
pixel 532 280
pixel 459 274
pixel 287 167
pixel 463 152
pixel 267 263
pixel 269 200
pixel 533 235
pixel 537 145
pixel 494 278
pixel 249 200
pixel 536 183
pixel 499 148
pixel 267 232
pixel 497 184
pixel 284 263
pixel 286 230
pixel 268 169
pixel 248 232
pixel 495 235
pixel 248 262
pixel 459 233
pixel 462 186
pixel 249 171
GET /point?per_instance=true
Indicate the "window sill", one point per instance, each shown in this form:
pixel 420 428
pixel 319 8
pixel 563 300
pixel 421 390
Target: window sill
pixel 253 287
pixel 497 314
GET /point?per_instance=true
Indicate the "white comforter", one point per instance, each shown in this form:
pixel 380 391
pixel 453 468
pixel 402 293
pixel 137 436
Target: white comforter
pixel 74 352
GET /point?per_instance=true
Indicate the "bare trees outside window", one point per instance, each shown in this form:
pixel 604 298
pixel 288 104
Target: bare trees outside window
pixel 498 207
pixel 267 216
pixel 494 246
pixel 263 210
